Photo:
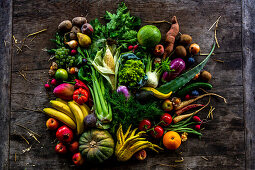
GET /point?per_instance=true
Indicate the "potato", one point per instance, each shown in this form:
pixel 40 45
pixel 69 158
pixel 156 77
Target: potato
pixel 65 25
pixel 180 51
pixel 74 31
pixel 185 39
pixel 205 76
pixel 79 21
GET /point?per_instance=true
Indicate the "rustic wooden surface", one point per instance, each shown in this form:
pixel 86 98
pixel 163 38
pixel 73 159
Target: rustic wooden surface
pixel 228 139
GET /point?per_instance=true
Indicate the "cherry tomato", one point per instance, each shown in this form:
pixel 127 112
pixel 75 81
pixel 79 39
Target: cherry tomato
pixel 144 125
pixel 166 118
pixel 157 132
pixel 72 70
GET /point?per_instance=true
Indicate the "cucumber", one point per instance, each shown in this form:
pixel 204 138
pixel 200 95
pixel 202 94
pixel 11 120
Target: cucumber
pixel 193 86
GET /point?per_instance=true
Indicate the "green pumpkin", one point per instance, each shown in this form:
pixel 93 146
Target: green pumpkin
pixel 96 145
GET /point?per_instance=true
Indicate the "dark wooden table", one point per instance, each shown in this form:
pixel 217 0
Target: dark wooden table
pixel 228 140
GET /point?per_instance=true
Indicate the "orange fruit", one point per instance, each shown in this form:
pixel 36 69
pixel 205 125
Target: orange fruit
pixel 172 140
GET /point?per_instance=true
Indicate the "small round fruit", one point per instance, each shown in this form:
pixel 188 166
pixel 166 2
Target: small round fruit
pixel 157 60
pixel 52 124
pixel 74 147
pixel 191 60
pixel 195 93
pixel 73 52
pixel 87 29
pixel 206 76
pixel 185 39
pixel 172 140
pixel 144 125
pixel 135 47
pixel 47 86
pixel 158 50
pixel 64 134
pixel 61 74
pixel 157 132
pixel 53 82
pixel 72 70
pixel 141 155
pixel 194 49
pixel 166 119
pixel 180 51
pixel 61 148
pixel 187 97
pixel 78 159
pixel 167 105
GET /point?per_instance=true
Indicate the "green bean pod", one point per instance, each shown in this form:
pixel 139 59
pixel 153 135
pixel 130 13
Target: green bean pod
pixel 193 86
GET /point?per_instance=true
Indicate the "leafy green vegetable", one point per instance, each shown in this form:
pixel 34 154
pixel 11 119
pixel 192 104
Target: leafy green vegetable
pixel 59 40
pixel 130 111
pixel 121 27
pixel 131 73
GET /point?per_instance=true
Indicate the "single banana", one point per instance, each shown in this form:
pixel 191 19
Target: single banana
pixel 85 110
pixel 61 100
pixel 78 116
pixel 62 107
pixel 60 116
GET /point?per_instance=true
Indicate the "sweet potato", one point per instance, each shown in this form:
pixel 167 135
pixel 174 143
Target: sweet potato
pixel 170 37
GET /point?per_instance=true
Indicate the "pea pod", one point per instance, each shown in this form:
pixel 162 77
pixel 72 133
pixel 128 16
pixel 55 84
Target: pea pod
pixel 183 79
pixel 193 86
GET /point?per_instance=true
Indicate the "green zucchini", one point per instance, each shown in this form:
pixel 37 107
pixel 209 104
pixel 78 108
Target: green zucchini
pixel 183 79
pixel 193 86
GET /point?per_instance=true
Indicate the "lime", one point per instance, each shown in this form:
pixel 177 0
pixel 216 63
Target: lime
pixel 149 36
pixel 61 74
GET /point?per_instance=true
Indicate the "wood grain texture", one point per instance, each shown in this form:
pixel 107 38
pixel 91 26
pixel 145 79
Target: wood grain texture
pixel 223 140
pixel 249 80
pixel 5 78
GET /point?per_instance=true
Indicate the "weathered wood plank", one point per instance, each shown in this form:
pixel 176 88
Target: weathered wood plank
pixel 229 26
pixel 223 140
pixel 5 79
pixel 249 80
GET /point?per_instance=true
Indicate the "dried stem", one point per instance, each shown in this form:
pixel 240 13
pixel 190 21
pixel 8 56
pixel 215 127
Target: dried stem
pixel 205 158
pixel 24 139
pixel 36 32
pixel 215 37
pixel 158 22
pixel 220 61
pixel 214 23
pixel 29 130
pixel 214 94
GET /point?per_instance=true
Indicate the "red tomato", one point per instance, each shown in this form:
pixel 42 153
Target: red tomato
pixel 157 132
pixel 144 125
pixel 166 118
pixel 80 96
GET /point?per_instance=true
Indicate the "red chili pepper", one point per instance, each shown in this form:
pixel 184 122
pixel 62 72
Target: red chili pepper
pixel 166 119
pixel 144 125
pixel 157 132
pixel 186 108
pixel 80 96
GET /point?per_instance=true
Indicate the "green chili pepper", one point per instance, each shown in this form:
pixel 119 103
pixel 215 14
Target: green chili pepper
pixel 193 86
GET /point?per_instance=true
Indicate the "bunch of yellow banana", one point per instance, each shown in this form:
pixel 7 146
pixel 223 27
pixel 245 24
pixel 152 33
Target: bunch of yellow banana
pixel 70 113
pixel 130 143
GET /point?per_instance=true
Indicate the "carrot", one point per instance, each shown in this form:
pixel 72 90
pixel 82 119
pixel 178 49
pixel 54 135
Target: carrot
pixel 170 37
pixel 185 103
pixel 186 108
pixel 181 117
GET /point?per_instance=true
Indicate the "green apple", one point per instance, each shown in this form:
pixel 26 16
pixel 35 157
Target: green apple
pixel 167 105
